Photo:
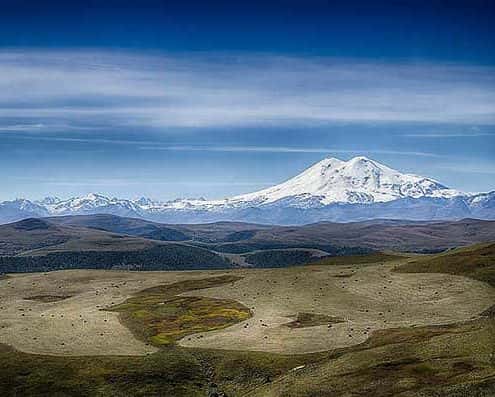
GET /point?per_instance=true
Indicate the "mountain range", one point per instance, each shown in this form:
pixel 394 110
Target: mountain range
pixel 330 190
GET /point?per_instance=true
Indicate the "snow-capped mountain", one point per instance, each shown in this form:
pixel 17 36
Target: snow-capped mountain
pixel 90 203
pixel 357 181
pixel 332 190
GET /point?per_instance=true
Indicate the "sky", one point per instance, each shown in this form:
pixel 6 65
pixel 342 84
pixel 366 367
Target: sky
pixel 169 99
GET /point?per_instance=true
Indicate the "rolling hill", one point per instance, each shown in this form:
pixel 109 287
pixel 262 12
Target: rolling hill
pixel 108 241
pixel 476 261
pixel 235 237
pixel 40 245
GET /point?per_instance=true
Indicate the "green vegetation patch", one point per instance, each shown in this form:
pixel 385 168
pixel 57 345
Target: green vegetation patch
pixel 172 373
pixel 476 261
pixel 237 373
pixel 157 315
pixel 304 320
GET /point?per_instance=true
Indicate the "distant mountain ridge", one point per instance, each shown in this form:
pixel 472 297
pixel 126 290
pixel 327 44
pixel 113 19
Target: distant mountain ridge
pixel 330 190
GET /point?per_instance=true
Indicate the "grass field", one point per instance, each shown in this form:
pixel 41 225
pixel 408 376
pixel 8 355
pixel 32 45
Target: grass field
pixel 454 360
pixel 368 298
pixel 331 329
pixel 476 261
pixel 448 361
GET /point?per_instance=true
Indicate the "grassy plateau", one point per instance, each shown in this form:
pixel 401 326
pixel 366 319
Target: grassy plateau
pixel 437 360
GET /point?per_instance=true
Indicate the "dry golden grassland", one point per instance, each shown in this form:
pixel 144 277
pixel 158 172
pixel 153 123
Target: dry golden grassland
pixel 374 328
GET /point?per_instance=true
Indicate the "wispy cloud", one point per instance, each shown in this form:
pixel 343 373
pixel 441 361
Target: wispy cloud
pixel 465 134
pixel 159 146
pixel 53 89
pixel 105 182
pixel 451 135
pixel 43 127
pixel 127 182
pixel 285 149
pixel 20 127
pixel 467 168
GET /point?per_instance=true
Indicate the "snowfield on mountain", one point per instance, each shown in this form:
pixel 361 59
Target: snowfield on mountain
pixel 359 180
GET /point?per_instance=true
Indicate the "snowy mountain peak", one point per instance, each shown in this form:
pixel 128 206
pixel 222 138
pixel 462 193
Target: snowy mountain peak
pixel 358 180
pixel 49 200
pixel 145 202
pixel 94 197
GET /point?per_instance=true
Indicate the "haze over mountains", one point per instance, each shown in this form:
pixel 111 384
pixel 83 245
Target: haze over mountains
pixel 330 190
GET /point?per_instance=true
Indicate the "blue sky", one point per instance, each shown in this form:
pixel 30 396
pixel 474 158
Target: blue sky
pixel 188 99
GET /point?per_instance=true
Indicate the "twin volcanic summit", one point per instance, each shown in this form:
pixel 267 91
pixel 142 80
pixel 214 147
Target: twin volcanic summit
pixel 330 190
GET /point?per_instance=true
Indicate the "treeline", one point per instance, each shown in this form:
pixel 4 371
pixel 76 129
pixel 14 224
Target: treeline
pixel 290 257
pixel 245 247
pixel 166 257
pixel 279 258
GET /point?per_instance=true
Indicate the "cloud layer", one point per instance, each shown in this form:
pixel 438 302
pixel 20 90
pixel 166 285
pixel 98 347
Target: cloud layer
pixel 64 90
